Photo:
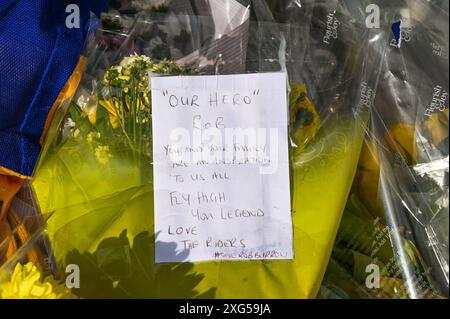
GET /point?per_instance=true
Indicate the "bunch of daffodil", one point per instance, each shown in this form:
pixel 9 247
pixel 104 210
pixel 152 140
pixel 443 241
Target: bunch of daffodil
pixel 26 282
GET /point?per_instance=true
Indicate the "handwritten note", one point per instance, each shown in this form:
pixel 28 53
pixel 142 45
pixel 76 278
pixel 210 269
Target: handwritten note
pixel 221 168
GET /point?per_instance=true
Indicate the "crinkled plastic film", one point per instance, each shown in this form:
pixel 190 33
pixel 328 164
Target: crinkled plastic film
pixel 414 181
pixel 400 196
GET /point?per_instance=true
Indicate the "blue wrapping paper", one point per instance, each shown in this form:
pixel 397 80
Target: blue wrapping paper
pixel 38 53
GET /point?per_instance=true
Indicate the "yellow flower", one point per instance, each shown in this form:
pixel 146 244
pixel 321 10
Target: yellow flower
pixel 401 138
pixel 102 154
pixel 91 136
pixel 26 283
pixel 437 127
pixel 92 114
pixel 304 119
pixel 112 107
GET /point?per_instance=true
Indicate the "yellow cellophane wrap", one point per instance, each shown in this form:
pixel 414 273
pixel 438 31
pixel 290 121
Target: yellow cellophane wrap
pixel 81 223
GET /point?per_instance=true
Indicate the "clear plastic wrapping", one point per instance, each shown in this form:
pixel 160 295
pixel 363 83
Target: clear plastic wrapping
pixel 399 201
pixel 413 180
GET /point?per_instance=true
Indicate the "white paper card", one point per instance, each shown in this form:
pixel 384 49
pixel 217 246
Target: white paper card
pixel 221 168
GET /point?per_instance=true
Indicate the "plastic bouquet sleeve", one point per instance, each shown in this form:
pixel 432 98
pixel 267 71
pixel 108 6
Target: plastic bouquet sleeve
pixel 396 219
pixel 94 181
